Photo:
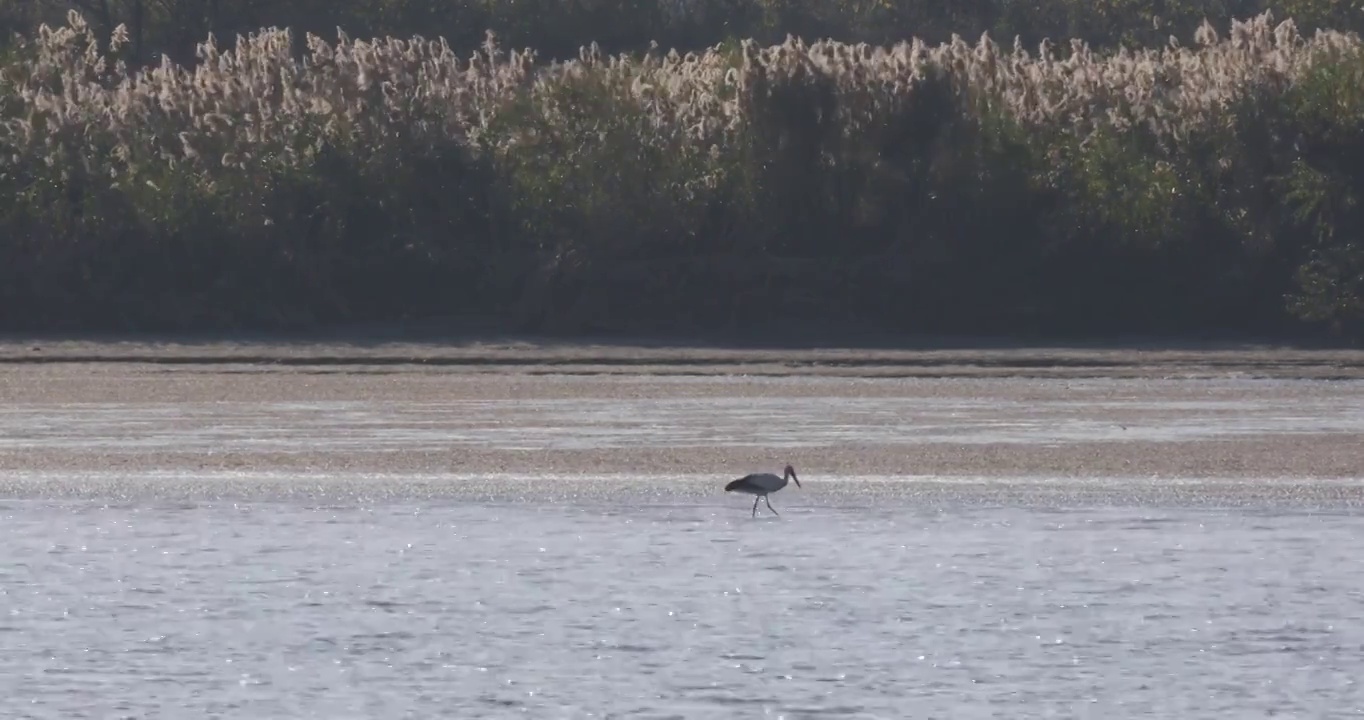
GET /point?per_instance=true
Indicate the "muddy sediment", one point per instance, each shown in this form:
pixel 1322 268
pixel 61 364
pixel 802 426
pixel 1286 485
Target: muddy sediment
pixel 1117 387
pixel 874 359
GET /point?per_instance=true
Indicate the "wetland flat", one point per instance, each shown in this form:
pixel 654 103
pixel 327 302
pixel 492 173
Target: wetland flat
pixel 362 537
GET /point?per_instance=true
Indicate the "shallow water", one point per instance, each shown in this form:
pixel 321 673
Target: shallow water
pixel 969 413
pixel 502 595
pixel 961 610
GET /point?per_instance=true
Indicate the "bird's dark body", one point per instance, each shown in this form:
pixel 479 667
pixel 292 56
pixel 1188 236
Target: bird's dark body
pixel 749 484
pixel 760 484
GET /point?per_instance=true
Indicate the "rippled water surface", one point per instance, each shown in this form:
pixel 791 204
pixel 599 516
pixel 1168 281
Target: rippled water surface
pixel 1096 410
pixel 886 597
pixel 959 610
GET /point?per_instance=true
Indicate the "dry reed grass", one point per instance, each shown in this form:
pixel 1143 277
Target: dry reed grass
pixel 70 104
pixel 664 138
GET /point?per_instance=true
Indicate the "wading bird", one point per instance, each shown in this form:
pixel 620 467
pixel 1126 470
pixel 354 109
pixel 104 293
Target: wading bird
pixel 760 484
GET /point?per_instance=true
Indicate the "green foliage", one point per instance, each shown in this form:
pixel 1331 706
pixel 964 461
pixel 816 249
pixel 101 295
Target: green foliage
pixel 753 186
pixel 1322 190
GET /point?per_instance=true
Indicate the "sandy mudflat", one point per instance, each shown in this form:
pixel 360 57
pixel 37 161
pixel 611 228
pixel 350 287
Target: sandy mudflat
pixel 1116 387
pixel 962 359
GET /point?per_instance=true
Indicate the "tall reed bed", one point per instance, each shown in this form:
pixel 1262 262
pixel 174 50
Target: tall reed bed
pixel 960 187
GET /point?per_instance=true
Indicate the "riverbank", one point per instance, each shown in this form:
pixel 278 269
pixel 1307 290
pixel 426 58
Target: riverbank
pixel 870 357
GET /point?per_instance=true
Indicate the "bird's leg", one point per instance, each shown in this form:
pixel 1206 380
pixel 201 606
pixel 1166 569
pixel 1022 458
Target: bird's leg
pixel 755 506
pixel 769 506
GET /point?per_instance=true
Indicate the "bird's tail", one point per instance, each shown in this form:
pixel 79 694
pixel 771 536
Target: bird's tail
pixel 733 484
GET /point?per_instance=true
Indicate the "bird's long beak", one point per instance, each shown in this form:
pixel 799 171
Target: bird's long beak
pixel 793 477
